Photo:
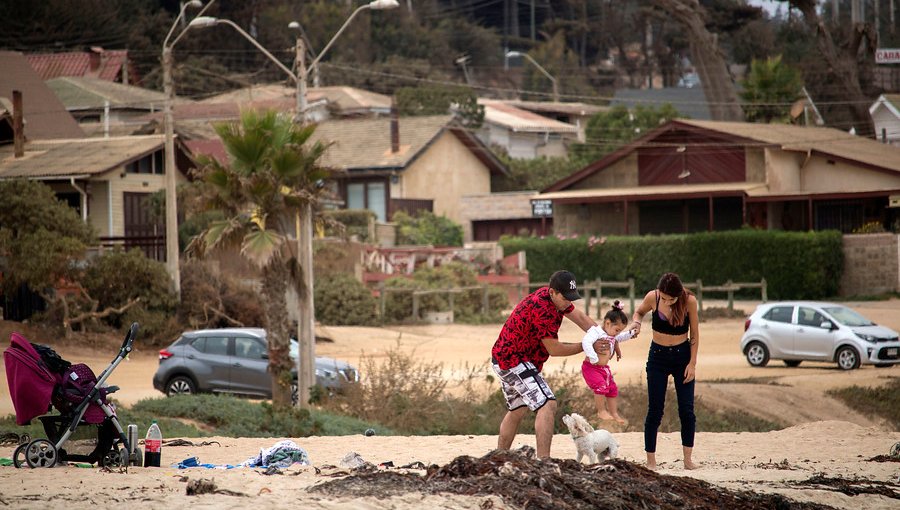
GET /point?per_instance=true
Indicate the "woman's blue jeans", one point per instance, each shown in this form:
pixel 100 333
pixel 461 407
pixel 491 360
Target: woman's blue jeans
pixel 662 362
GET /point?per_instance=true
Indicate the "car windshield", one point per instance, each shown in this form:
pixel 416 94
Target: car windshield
pixel 848 317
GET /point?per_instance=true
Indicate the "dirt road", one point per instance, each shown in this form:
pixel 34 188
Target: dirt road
pixel 797 397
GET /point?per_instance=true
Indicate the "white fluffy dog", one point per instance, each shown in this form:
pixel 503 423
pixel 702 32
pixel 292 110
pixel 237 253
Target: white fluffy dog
pixel 593 443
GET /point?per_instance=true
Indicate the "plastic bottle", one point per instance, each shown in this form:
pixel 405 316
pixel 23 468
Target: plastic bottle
pixel 153 446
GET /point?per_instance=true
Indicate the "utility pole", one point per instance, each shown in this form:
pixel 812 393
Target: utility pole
pixel 171 183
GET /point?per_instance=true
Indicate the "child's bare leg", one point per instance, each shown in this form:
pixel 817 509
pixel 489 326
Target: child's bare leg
pixel 614 410
pixel 602 413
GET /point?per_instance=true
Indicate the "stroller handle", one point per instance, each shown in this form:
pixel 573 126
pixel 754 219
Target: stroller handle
pixel 129 338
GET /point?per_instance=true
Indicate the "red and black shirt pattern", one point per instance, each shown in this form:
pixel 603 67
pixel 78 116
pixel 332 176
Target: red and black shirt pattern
pixel 534 319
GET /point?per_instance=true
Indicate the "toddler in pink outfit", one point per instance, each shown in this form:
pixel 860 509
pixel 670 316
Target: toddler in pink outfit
pixel 598 345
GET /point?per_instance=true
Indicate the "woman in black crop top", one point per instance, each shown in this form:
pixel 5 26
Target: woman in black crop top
pixel 673 352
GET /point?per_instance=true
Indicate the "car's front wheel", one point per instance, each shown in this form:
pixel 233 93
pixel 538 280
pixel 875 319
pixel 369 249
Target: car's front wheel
pixel 180 385
pixel 792 362
pixel 757 354
pixel 847 358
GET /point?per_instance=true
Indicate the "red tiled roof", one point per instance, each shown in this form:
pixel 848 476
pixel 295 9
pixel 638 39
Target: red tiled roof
pixel 102 64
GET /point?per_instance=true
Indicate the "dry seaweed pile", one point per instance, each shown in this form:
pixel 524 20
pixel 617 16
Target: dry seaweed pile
pixel 526 482
pixel 851 487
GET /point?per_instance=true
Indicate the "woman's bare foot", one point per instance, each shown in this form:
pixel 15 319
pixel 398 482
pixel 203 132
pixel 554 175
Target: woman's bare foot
pixel 651 461
pixel 688 462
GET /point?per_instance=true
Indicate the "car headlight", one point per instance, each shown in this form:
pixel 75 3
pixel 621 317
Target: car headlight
pixel 867 338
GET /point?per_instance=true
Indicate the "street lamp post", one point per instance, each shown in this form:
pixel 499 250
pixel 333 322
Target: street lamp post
pixel 172 251
pixel 306 323
pixel 511 54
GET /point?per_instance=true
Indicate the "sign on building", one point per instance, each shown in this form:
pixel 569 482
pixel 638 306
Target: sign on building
pixel 887 56
pixel 541 208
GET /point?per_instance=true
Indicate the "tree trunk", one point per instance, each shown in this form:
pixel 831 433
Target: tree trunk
pixel 843 63
pixel 707 57
pixel 275 279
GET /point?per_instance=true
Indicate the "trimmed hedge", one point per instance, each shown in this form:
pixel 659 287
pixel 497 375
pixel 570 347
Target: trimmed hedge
pixel 796 265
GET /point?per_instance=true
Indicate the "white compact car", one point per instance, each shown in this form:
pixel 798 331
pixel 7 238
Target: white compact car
pixel 796 331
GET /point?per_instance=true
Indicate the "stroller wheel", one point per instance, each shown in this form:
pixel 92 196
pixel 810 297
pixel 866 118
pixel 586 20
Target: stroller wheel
pixel 19 455
pixel 40 453
pixel 113 458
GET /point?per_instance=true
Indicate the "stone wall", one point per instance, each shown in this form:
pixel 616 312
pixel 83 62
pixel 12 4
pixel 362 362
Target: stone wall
pixel 871 264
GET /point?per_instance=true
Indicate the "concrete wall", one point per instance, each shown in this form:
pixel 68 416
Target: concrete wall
pixel 871 264
pixel 446 172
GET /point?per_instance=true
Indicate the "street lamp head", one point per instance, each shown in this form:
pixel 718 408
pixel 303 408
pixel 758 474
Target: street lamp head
pixel 512 54
pixel 203 22
pixel 293 25
pixel 383 5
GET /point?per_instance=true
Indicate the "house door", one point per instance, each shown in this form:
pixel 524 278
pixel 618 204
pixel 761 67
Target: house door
pixel 142 230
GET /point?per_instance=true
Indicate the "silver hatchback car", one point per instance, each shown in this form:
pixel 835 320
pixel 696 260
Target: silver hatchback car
pixel 235 360
pixel 796 331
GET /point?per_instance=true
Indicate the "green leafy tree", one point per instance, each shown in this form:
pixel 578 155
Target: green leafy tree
pixel 533 174
pixel 40 238
pixel 427 228
pixel 272 172
pixel 440 100
pixel 607 131
pixel 770 88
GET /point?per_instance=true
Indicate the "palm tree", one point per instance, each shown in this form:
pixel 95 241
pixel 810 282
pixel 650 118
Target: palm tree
pixel 271 174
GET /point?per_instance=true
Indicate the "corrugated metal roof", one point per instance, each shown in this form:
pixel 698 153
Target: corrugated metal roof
pixel 802 139
pixel 498 112
pixel 45 116
pixel 107 64
pixel 92 93
pixel 85 156
pixel 582 109
pixel 360 144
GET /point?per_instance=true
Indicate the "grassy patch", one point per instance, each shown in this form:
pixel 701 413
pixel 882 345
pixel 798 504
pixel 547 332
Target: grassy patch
pixel 221 415
pixel 883 402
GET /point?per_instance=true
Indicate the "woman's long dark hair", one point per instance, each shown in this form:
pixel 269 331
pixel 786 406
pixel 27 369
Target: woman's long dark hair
pixel 671 284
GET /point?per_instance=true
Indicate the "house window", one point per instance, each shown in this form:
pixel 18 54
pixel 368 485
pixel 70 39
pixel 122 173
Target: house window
pixel 149 164
pixel 371 195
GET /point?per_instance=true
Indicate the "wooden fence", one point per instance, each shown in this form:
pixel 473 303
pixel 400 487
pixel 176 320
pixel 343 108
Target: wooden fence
pixel 589 291
pixel 417 295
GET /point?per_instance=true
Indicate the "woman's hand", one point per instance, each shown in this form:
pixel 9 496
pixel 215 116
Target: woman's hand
pixel 636 327
pixel 689 372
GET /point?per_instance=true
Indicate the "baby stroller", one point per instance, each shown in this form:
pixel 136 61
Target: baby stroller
pixel 40 380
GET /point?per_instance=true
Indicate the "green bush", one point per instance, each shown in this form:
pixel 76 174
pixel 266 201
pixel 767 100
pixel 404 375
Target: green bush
pixel 117 277
pixel 427 228
pixel 796 265
pixel 348 222
pixel 344 301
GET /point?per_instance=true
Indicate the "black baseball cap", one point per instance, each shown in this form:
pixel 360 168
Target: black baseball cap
pixel 564 283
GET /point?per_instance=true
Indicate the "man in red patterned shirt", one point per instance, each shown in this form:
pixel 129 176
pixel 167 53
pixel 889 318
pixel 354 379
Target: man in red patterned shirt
pixel 528 338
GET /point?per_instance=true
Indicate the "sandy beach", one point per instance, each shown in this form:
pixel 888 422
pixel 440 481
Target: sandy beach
pixel 822 437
